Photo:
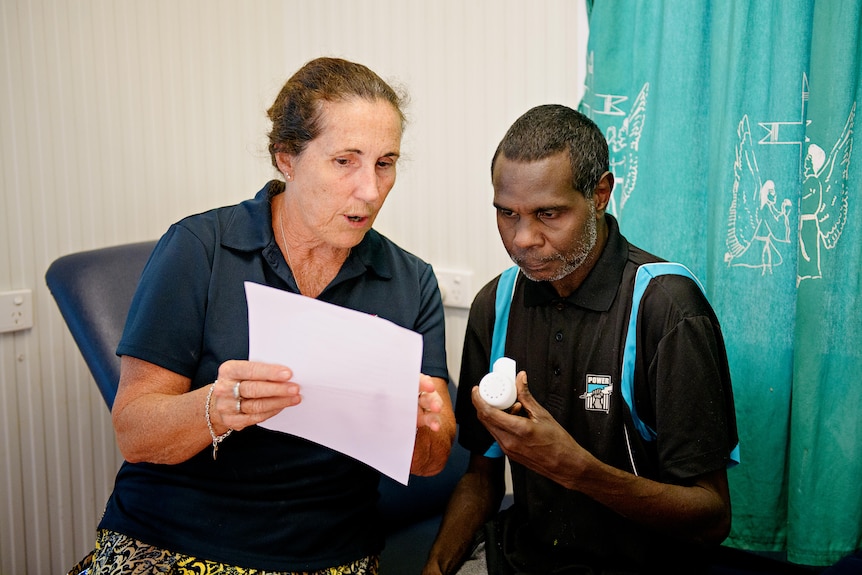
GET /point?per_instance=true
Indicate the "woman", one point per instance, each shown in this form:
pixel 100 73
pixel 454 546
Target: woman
pixel 203 489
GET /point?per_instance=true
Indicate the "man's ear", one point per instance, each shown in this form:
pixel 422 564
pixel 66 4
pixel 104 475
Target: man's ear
pixel 602 193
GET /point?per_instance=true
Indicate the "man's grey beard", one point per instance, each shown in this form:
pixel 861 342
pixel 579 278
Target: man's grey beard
pixel 572 260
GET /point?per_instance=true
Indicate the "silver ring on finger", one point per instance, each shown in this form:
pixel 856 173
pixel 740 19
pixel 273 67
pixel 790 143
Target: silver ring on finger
pixel 236 394
pixel 239 405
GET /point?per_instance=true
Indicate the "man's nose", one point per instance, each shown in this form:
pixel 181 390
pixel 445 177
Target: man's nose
pixel 526 235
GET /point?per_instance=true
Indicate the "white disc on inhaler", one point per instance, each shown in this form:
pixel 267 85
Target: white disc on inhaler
pixel 498 387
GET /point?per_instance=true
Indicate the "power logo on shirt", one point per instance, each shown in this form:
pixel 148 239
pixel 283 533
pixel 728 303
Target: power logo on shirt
pixel 598 394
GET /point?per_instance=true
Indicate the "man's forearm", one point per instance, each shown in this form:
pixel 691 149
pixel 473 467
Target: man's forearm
pixel 474 501
pixel 698 512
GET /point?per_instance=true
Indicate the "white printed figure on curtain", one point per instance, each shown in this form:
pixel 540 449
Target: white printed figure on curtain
pixel 623 140
pixel 623 149
pixel 756 225
pixel 823 205
pixel 598 394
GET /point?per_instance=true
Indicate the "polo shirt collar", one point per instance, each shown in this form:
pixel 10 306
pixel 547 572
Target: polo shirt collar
pixel 248 229
pixel 599 289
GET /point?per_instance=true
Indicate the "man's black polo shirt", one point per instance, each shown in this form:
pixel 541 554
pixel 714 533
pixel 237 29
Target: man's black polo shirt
pixel 571 347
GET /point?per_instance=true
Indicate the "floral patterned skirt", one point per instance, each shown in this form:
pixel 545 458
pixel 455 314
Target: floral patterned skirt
pixel 118 554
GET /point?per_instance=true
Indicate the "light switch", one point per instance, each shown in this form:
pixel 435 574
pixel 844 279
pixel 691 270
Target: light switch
pixel 456 287
pixel 16 310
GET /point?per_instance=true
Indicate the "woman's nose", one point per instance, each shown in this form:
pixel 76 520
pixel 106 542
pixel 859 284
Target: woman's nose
pixel 367 185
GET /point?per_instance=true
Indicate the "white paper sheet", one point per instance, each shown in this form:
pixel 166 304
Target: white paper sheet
pixel 358 376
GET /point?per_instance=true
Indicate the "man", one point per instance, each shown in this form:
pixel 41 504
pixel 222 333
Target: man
pixel 591 495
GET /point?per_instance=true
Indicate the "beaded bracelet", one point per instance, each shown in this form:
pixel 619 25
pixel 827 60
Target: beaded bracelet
pixel 216 438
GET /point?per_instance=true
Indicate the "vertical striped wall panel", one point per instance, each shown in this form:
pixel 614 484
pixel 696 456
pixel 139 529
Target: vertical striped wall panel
pixel 119 117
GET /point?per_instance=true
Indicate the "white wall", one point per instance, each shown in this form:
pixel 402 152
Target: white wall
pixel 118 117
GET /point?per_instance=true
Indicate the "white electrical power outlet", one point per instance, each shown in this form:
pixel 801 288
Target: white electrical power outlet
pixel 16 310
pixel 456 287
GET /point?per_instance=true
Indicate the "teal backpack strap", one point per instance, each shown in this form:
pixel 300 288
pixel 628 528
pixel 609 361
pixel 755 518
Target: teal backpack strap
pixel 644 274
pixel 505 291
pixel 502 305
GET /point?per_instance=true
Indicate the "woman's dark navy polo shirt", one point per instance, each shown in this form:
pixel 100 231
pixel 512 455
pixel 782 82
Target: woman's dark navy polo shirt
pixel 271 501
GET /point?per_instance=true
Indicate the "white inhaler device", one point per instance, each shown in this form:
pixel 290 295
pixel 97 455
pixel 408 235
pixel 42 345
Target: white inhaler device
pixel 498 387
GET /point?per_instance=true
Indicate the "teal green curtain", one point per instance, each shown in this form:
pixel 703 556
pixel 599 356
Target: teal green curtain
pixel 731 131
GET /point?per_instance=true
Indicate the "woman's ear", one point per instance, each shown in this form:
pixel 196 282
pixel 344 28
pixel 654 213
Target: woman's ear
pixel 284 161
pixel 602 193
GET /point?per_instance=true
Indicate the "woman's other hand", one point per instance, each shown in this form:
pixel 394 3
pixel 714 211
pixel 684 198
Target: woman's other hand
pixel 435 427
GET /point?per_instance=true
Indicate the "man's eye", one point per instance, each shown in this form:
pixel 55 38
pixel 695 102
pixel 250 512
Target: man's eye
pixel 342 161
pixel 547 215
pixel 506 213
pixel 385 164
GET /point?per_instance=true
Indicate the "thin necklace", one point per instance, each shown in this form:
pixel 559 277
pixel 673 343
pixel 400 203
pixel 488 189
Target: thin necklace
pixel 287 251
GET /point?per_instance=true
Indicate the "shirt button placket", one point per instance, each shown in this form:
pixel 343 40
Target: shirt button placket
pixel 558 338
